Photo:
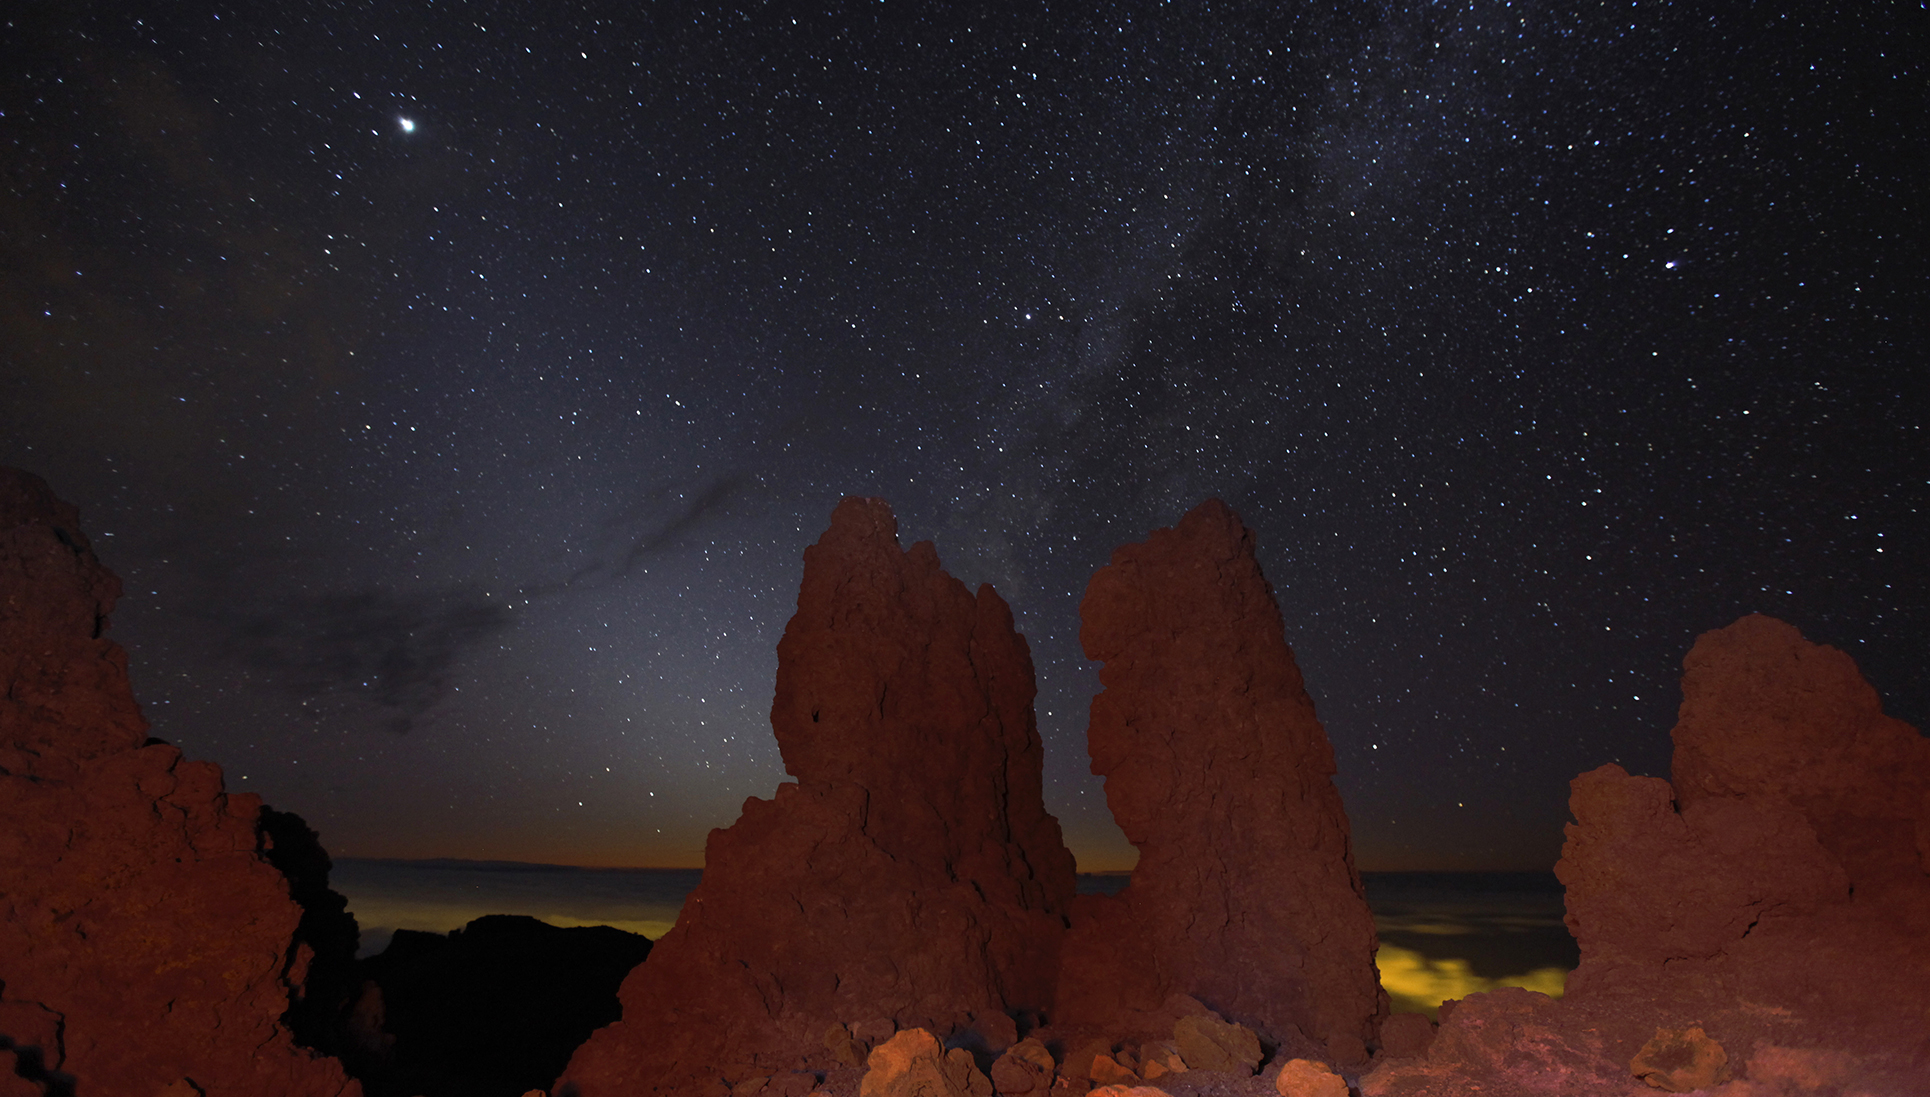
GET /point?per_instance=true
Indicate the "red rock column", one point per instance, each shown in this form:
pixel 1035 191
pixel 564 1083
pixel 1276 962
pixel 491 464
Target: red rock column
pixel 143 939
pixel 909 878
pixel 1245 896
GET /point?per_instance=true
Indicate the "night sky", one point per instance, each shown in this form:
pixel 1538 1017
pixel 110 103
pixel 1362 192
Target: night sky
pixel 456 386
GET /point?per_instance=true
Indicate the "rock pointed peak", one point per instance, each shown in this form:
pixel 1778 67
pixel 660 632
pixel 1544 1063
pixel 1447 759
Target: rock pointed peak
pixel 910 878
pixel 1218 770
pixel 861 518
pixel 1213 519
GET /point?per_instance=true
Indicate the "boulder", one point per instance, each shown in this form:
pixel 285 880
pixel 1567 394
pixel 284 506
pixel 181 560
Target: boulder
pixel 1245 896
pixel 1108 1070
pixel 1026 1068
pixel 909 878
pixel 1305 1078
pixel 914 1064
pixel 1206 1042
pixel 1158 1058
pixel 146 940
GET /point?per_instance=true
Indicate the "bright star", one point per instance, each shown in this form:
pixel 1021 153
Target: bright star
pixel 408 124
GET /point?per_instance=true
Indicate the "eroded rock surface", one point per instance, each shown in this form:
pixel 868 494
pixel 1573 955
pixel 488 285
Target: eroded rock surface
pixel 909 878
pixel 1245 896
pixel 1782 868
pixel 1769 906
pixel 145 941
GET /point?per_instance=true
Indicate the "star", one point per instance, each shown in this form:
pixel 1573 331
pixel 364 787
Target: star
pixel 408 124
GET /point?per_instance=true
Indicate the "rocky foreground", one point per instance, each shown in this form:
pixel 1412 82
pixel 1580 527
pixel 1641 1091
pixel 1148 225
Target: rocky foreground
pixel 900 919
pixel 148 943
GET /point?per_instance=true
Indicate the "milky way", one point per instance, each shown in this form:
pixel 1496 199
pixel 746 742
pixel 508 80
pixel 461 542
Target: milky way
pixel 456 387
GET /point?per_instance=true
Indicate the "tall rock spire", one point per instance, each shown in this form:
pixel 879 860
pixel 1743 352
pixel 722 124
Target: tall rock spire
pixel 909 878
pixel 1245 897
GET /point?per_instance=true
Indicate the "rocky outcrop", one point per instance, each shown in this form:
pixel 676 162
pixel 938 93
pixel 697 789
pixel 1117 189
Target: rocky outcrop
pixel 1783 866
pixel 145 941
pixel 1245 896
pixel 908 879
pixel 1764 914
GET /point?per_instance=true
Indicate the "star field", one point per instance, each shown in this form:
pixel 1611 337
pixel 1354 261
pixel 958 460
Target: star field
pixel 457 386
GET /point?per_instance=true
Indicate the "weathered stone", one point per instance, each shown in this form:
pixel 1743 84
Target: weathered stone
pixel 910 873
pixel 1158 1058
pixel 1107 1070
pixel 1077 1065
pixel 1770 718
pixel 1680 1059
pixel 1648 884
pixel 1773 891
pixel 1771 896
pixel 1245 895
pixel 1025 1068
pixel 914 1064
pixel 1206 1042
pixel 1305 1078
pixel 144 938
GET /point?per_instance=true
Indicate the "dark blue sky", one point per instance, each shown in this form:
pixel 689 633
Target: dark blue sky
pixel 456 386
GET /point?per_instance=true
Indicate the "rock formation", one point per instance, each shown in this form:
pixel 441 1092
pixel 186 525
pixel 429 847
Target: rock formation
pixel 1765 914
pixel 1245 896
pixel 146 944
pixel 1784 865
pixel 910 876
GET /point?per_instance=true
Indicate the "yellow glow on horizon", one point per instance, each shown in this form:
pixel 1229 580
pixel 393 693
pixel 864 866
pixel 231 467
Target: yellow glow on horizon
pixel 1417 984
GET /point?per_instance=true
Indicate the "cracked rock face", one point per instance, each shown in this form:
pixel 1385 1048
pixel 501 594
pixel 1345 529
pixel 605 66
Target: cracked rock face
pixel 145 941
pixel 908 878
pixel 1245 897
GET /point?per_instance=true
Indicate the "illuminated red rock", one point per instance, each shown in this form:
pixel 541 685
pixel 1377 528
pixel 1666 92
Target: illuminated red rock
pixel 1245 897
pixel 910 876
pixel 1784 865
pixel 145 941
pixel 1770 903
